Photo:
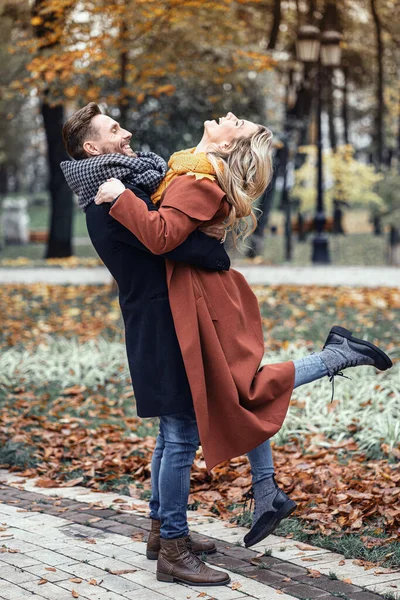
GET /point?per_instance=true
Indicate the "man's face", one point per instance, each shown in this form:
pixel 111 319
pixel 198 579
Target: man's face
pixel 110 138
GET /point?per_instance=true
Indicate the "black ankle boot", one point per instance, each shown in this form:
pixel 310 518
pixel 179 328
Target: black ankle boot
pixel 342 350
pixel 272 505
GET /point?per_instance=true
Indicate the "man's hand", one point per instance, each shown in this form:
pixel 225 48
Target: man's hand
pixel 217 231
pixel 108 191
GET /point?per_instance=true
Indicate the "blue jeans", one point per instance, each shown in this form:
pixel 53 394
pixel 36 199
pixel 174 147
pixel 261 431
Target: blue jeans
pixel 177 443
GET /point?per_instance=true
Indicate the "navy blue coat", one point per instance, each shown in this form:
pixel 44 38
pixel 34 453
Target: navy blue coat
pixel 155 361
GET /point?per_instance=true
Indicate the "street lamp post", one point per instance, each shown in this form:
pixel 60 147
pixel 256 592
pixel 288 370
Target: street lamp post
pixel 324 50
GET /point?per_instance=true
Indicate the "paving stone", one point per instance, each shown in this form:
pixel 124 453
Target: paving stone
pixel 77 517
pixel 52 591
pixel 123 529
pixel 144 594
pixel 106 549
pixel 20 545
pixel 389 586
pixel 227 562
pixel 106 563
pixel 93 592
pixel 53 576
pixel 84 570
pixel 364 596
pixel 79 531
pixel 49 557
pixel 103 524
pixel 15 574
pixel 289 570
pixel 236 551
pixel 370 579
pixel 266 576
pixel 119 585
pixel 301 590
pixel 75 553
pixel 104 513
pixel 136 521
pixel 181 592
pixel 335 586
pixel 10 591
pixel 18 560
pixel 42 520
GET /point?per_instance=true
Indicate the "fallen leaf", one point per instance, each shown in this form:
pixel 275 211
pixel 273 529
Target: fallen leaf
pixel 236 585
pixel 122 571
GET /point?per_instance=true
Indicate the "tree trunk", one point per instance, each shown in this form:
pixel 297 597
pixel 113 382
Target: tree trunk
pixel 276 15
pixel 60 236
pixel 394 246
pixel 379 119
pixel 3 180
pixel 60 239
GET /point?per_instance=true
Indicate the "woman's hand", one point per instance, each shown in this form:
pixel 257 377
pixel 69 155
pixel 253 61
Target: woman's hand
pixel 108 191
pixel 217 231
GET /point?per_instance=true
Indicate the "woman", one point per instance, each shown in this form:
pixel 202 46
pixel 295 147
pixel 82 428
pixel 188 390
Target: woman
pixel 237 405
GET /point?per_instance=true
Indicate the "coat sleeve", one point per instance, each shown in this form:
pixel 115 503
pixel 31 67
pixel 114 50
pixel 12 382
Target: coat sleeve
pixel 186 205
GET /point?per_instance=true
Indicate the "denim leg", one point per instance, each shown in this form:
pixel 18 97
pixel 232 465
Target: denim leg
pixel 154 503
pixel 309 369
pixel 181 440
pixel 261 462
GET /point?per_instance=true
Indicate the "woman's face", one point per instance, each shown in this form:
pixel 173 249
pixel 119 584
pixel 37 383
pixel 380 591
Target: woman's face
pixel 228 129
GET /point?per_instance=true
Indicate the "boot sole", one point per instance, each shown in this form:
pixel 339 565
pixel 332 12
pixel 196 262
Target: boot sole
pixel 171 579
pixel 152 555
pixel 285 511
pixel 384 363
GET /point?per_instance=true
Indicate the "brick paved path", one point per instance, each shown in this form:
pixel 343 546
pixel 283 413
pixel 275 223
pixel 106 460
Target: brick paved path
pixel 60 548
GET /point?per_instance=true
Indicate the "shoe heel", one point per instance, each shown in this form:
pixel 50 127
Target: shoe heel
pixel 151 555
pixel 341 331
pixel 165 577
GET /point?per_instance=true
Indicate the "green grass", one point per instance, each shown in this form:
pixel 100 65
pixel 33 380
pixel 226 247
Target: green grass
pixel 354 248
pixel 36 252
pixel 99 364
pixel 40 215
pixel 351 546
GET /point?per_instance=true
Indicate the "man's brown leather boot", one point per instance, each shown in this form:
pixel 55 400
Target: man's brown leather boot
pixel 153 543
pixel 176 562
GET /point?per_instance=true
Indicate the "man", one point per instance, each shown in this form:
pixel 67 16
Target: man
pixel 154 357
pixel 155 361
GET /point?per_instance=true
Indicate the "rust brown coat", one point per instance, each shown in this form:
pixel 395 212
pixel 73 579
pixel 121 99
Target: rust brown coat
pixel 218 324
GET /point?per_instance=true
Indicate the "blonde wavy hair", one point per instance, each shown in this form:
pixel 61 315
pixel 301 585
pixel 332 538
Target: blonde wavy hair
pixel 244 171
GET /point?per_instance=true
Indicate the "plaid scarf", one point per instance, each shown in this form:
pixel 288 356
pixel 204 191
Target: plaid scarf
pixel 85 176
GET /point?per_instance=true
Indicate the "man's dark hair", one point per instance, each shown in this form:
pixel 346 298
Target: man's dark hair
pixel 78 129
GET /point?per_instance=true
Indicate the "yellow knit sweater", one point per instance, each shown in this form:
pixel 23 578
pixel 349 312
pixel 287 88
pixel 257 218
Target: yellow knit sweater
pixel 185 162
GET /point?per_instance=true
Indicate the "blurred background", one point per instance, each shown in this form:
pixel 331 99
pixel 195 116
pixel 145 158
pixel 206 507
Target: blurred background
pixel 322 74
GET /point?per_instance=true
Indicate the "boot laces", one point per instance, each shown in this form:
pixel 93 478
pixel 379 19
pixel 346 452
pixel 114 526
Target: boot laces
pixel 192 561
pixel 338 373
pixel 248 496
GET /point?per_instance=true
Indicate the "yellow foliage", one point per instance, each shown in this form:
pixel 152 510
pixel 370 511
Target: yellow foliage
pixel 163 40
pixel 346 179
